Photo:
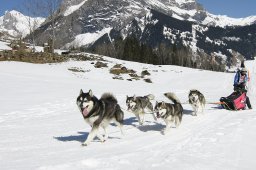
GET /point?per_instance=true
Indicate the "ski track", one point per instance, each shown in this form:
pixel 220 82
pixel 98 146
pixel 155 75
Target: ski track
pixel 49 136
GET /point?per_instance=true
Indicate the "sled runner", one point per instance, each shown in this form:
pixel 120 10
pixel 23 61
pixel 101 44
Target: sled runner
pixel 235 101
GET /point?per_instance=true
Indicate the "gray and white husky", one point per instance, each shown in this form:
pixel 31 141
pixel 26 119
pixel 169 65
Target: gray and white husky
pixel 169 112
pixel 99 113
pixel 197 100
pixel 138 105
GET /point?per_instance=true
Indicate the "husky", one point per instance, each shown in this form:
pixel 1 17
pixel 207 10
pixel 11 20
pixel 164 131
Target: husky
pixel 197 100
pixel 99 113
pixel 169 112
pixel 138 104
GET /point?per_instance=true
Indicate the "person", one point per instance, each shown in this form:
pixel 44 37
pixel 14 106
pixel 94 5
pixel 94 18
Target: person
pixel 240 82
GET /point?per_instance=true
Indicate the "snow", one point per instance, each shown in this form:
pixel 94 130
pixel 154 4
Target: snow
pixel 1 20
pixel 180 2
pixel 17 24
pixel 219 54
pixel 4 46
pixel 167 32
pixel 232 38
pixel 87 38
pixel 211 19
pixel 223 20
pixel 73 8
pixel 41 127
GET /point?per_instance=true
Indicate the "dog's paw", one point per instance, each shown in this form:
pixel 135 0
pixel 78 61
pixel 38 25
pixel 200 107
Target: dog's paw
pixel 84 144
pixel 194 114
pixel 163 132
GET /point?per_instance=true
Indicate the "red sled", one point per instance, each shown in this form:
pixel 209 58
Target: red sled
pixel 235 101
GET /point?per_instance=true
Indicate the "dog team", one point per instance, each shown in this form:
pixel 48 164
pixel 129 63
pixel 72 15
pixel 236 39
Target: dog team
pixel 101 112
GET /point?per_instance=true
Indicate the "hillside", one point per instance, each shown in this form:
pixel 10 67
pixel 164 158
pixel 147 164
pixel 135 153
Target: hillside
pixel 41 127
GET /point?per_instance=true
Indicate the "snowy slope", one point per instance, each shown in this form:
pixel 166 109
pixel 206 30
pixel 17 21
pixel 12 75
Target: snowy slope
pixel 73 8
pixel 4 46
pixel 87 38
pixel 41 127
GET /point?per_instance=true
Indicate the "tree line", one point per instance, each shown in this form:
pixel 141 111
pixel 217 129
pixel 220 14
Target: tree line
pixel 132 50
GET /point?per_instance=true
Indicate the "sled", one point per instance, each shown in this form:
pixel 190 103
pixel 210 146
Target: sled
pixel 235 101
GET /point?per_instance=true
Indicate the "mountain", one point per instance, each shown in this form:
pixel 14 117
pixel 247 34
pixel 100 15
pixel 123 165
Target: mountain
pixel 81 18
pixel 89 23
pixel 14 24
pixel 155 28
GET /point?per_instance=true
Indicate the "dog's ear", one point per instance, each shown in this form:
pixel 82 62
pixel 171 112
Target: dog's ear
pixel 90 93
pixel 81 92
pixel 134 97
pixel 163 103
pixel 126 96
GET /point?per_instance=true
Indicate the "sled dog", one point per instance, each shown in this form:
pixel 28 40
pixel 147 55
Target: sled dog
pixel 169 112
pixel 138 105
pixel 99 113
pixel 196 100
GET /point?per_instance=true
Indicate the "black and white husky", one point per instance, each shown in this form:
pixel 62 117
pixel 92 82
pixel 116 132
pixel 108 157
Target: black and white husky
pixel 99 113
pixel 197 101
pixel 138 105
pixel 169 112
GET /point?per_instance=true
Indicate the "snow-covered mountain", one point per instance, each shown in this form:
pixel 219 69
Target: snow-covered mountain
pixel 181 9
pixel 80 18
pixel 15 24
pixel 155 28
pixel 86 22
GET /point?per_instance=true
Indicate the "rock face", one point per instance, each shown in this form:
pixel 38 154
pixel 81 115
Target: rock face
pixel 155 28
pixel 93 22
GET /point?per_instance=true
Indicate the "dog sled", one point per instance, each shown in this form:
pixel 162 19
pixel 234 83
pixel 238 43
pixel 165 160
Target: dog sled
pixel 235 101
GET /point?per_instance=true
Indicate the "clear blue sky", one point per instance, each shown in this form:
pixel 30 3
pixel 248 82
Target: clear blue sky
pixel 9 5
pixel 232 8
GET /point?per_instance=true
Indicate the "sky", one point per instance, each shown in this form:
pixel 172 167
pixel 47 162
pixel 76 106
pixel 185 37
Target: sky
pixel 231 8
pixel 10 5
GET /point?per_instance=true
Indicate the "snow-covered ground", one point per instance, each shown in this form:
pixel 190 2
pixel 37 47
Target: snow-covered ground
pixel 41 127
pixel 4 46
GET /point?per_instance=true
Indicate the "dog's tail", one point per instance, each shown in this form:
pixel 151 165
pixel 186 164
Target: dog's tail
pixel 172 97
pixel 150 97
pixel 108 96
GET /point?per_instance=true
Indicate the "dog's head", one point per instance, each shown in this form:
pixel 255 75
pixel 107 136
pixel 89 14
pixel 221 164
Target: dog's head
pixel 131 102
pixel 193 96
pixel 160 109
pixel 85 102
